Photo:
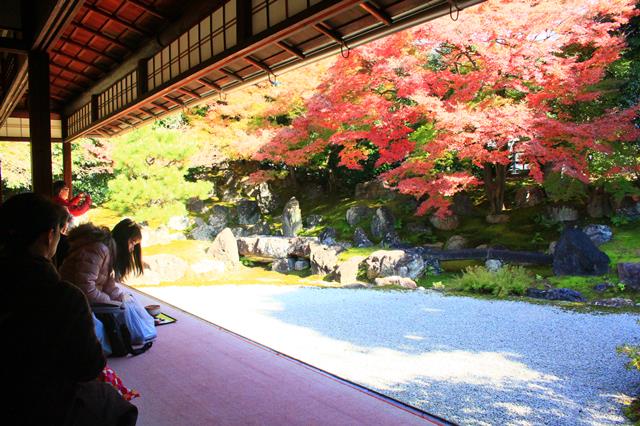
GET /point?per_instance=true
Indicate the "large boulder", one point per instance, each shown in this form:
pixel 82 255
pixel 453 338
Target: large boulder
pixel 218 218
pixel 629 209
pixel 382 223
pixel 202 231
pixel 267 201
pixel 395 281
pixel 195 205
pixel 248 212
pixel 629 275
pixel 599 234
pixel 261 228
pixel 445 223
pixel 356 214
pixel 360 238
pixel 328 236
pixel 323 260
pixel 384 263
pixel 614 302
pixel 347 272
pixel 283 265
pixel 456 242
pixel 272 247
pixel 313 220
pixel 178 223
pixel 161 268
pixel 225 249
pixel 576 254
pixel 301 246
pixel 291 218
pixel 529 196
pixel 565 294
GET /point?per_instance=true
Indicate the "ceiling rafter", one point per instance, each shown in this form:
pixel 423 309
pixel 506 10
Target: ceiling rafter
pixel 188 92
pixel 328 31
pixel 291 49
pixel 174 100
pixel 148 9
pixel 92 79
pixel 103 54
pixel 380 15
pixel 231 74
pixel 210 84
pixel 112 16
pixel 258 64
pixel 162 107
pixel 81 61
pixel 106 37
pixel 66 80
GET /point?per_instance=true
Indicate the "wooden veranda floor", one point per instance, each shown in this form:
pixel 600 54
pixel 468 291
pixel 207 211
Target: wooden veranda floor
pixel 200 374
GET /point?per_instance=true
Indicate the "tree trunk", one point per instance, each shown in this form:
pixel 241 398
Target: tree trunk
pixel 495 176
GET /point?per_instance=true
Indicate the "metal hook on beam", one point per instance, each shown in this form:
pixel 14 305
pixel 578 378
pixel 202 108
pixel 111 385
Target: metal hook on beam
pixel 454 4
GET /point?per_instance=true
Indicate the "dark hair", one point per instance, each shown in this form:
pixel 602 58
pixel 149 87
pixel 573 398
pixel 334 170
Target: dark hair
pixel 127 262
pixel 24 217
pixel 57 187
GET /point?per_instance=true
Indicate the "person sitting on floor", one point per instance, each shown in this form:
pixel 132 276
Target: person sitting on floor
pixel 77 205
pixel 50 356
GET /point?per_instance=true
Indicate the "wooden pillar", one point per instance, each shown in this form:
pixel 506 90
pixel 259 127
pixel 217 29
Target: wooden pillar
pixel 39 122
pixel 67 167
pixel 1 194
pixel 244 20
pixel 142 78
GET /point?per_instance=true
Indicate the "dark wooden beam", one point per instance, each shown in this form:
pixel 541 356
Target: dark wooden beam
pixel 39 122
pixel 244 26
pixel 162 107
pixel 150 10
pixel 103 36
pixel 78 73
pixel 173 100
pixel 114 18
pixel 146 111
pixel 188 92
pixel 210 84
pixel 291 49
pixel 13 45
pixel 66 80
pixel 230 74
pixel 380 15
pixel 258 64
pixel 66 89
pixel 67 165
pixel 329 32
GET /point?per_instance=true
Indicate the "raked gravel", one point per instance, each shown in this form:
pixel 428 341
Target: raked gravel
pixel 472 361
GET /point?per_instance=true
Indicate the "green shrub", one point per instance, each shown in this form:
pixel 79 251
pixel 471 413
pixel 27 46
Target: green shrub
pixel 509 280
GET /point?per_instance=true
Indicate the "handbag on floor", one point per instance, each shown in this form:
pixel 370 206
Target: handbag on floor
pixel 141 325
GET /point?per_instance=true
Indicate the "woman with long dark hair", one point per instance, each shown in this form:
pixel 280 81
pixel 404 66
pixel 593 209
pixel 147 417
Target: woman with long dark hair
pixel 127 236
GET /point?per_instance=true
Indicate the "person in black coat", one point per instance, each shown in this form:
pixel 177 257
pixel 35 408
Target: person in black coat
pixel 49 347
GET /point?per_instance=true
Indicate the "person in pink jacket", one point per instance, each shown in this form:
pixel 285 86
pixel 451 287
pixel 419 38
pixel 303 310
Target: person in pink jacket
pixel 98 258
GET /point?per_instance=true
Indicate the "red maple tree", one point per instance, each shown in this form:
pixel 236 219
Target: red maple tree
pixel 489 86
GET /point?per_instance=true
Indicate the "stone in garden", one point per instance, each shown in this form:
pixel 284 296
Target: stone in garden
pixel 565 294
pixel 493 265
pixel 218 218
pixel 357 214
pixel 431 265
pixel 328 236
pixel 323 260
pixel 160 268
pixel 629 209
pixel 599 234
pixel 462 204
pixel 614 302
pixel 529 196
pixel 384 263
pixel 267 202
pixel 561 214
pixel 395 280
pixel 301 246
pixel 202 231
pixel 283 265
pixel 248 212
pixel 291 218
pixel 360 238
pixel 446 223
pixel 239 231
pixel 552 247
pixel 195 205
pixel 495 219
pixel 575 254
pixel 225 249
pixel 347 271
pixel 272 247
pixel 456 242
pixel 313 220
pixel 178 223
pixel 482 247
pixel 602 287
pixel 392 240
pixel 382 222
pixel 301 265
pixel 629 275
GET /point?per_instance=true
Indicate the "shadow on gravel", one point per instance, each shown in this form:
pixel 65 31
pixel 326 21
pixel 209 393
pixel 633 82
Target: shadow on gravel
pixel 473 361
